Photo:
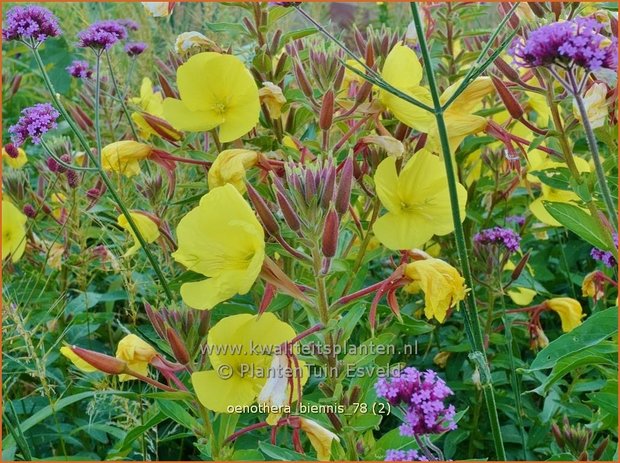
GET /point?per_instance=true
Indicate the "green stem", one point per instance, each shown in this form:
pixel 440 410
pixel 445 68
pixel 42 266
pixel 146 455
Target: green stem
pixel 471 312
pixel 596 158
pixel 97 103
pixel 104 177
pixel 121 97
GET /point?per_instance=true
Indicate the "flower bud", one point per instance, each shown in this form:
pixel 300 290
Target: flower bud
pixel 73 179
pixel 328 185
pixel 343 195
pixel 163 129
pixel 598 453
pixel 302 80
pixel 290 216
pixel 29 211
pixel 11 150
pixel 326 115
pixel 15 84
pixel 166 88
pixel 330 234
pixel 520 266
pixel 102 362
pixel 507 70
pixel 263 211
pixel 510 101
pixel 556 8
pixel 557 435
pixel 178 346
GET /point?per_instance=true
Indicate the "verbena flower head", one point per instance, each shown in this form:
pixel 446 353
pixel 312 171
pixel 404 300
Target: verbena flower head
pixel 30 22
pixel 34 123
pixel 404 455
pixel 423 393
pixel 80 69
pixel 498 236
pixel 135 48
pixel 606 257
pixel 128 24
pixel 102 35
pixel 578 42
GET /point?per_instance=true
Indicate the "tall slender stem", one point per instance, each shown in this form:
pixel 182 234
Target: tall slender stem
pixel 471 312
pixel 104 177
pixel 121 97
pixel 593 145
pixel 97 104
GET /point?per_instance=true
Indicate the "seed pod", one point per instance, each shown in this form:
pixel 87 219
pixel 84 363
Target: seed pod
pixel 102 362
pixel 510 101
pixel 329 243
pixel 177 346
pixel 326 116
pixel 507 70
pixel 263 211
pixel 343 195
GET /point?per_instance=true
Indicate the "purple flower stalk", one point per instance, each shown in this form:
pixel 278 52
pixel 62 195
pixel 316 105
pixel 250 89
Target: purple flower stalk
pixel 34 123
pixel 578 42
pixel 80 69
pixel 128 24
pixel 423 394
pixel 135 48
pixel 607 258
pixel 518 220
pixel 404 455
pixel 498 236
pixel 102 35
pixel 30 22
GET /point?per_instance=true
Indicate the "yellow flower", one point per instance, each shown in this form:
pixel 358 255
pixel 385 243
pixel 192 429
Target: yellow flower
pixel 595 101
pixel 569 310
pixel 417 201
pixel 403 71
pixel 271 95
pixel 538 103
pixel 223 240
pixel 123 157
pixel 441 359
pixel 351 80
pixel 391 145
pixel 157 9
pixel 15 163
pixel 442 284
pixel 216 91
pixel 320 438
pixel 188 40
pixel 137 353
pixel 13 231
pixel 230 167
pixel 146 226
pixel 76 360
pixel 522 296
pixel 240 349
pixel 592 286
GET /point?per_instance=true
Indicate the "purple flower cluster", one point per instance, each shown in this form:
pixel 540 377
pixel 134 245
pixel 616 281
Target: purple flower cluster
pixel 518 220
pixel 498 235
pixel 404 455
pixel 128 24
pixel 102 35
pixel 423 394
pixel 34 123
pixel 607 258
pixel 578 41
pixel 135 48
pixel 80 69
pixel 30 22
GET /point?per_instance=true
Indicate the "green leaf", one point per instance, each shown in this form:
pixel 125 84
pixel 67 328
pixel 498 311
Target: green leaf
pixel 280 454
pixel 581 223
pixel 595 329
pixel 178 412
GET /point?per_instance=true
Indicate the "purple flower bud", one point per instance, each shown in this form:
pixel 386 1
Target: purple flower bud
pixel 52 165
pixel 73 179
pixel 128 24
pixel 80 69
pixel 263 211
pixel 34 123
pixel 607 258
pixel 343 195
pixel 290 216
pixel 93 193
pixel 30 211
pixel 135 48
pixel 11 150
pixel 30 22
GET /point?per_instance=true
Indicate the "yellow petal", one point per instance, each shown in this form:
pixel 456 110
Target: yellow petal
pixel 182 118
pixel 13 231
pixel 218 393
pixel 401 231
pixel 146 226
pixel 402 67
pixel 470 100
pixel 569 310
pixel 386 184
pixel 409 114
pixel 76 360
pixel 522 296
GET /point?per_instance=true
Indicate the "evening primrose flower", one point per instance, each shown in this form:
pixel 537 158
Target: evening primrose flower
pixel 230 167
pixel 240 348
pixel 124 157
pixel 271 95
pixel 79 363
pixel 13 231
pixel 216 91
pixel 137 353
pixel 417 201
pixel 569 310
pixel 188 40
pixel 146 226
pixel 595 100
pixel 320 438
pixel 223 240
pixel 442 284
pixel 13 156
pixel 592 286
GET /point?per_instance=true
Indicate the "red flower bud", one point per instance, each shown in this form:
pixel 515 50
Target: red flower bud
pixel 330 234
pixel 290 216
pixel 166 88
pixel 326 115
pixel 343 195
pixel 263 211
pixel 178 346
pixel 102 362
pixel 510 101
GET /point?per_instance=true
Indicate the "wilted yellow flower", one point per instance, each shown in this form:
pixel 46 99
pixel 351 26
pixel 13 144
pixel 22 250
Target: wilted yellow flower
pixel 79 363
pixel 157 9
pixel 54 255
pixel 237 379
pixel 592 286
pixel 441 359
pixel 223 240
pixel 569 310
pixel 230 167
pixel 137 353
pixel 595 101
pixel 216 91
pixel 320 438
pixel 391 145
pixel 417 201
pixel 271 95
pixel 188 40
pixel 13 231
pixel 442 284
pixel 124 157
pixel 146 226
pixel 17 162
